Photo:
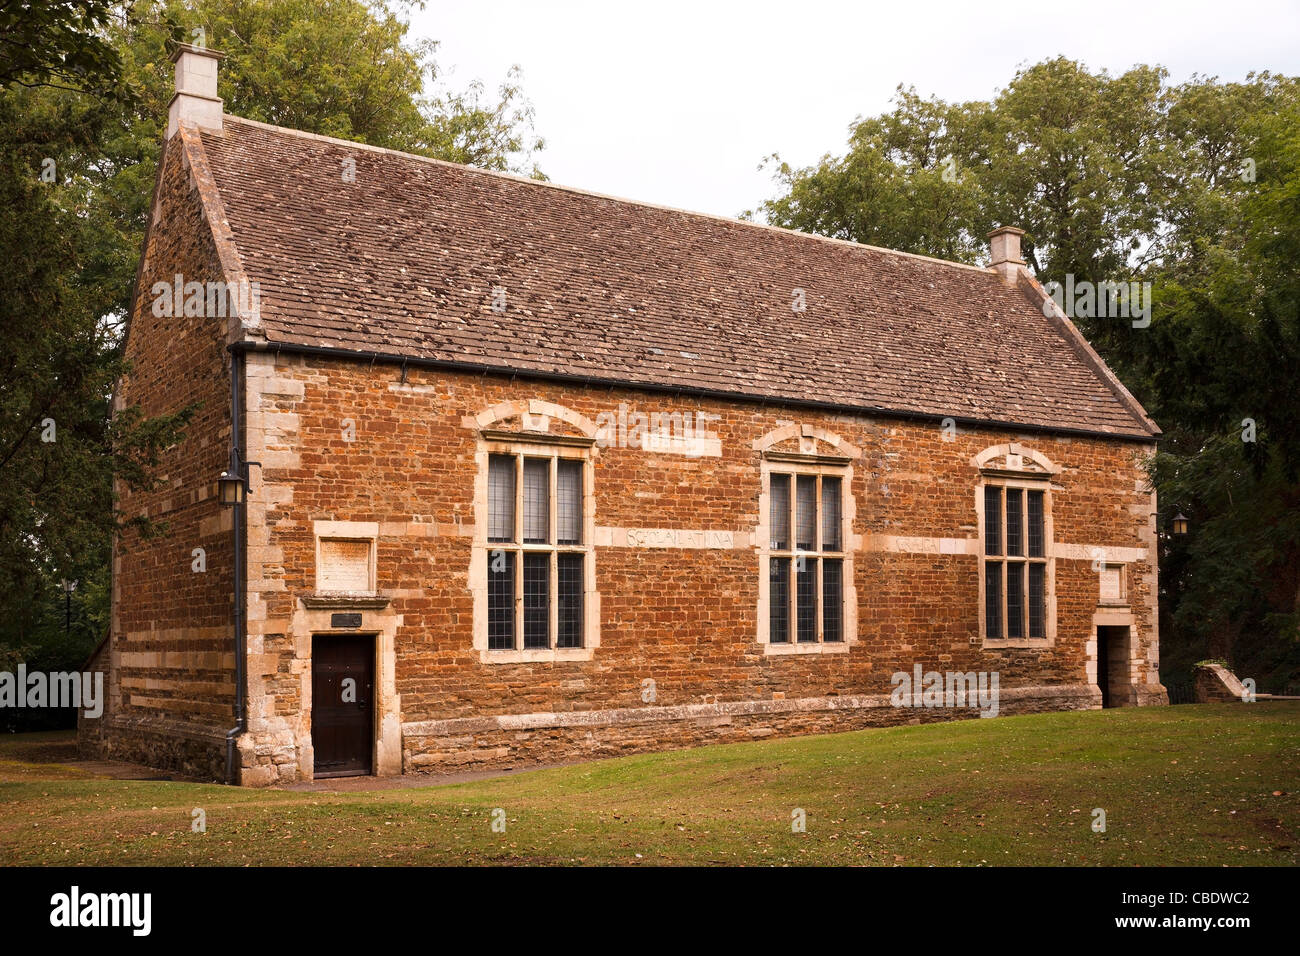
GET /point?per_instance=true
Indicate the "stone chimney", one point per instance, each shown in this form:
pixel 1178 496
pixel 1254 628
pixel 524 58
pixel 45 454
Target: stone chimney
pixel 1004 244
pixel 195 101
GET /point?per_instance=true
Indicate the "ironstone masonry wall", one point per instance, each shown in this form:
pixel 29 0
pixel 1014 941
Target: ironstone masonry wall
pixel 170 656
pixel 685 617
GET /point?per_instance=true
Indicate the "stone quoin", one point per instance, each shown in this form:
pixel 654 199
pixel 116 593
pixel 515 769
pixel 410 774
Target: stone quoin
pixel 446 558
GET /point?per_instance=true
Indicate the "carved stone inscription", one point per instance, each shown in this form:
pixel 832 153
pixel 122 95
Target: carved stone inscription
pixel 679 538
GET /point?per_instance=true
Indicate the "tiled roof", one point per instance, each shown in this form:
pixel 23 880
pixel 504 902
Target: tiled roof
pixel 405 261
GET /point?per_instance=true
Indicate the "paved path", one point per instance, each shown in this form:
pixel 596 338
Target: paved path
pixel 354 784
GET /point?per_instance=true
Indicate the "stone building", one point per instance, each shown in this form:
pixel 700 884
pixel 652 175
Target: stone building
pixel 535 474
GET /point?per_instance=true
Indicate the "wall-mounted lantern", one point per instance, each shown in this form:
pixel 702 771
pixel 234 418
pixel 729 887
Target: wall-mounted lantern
pixel 232 484
pixel 231 488
pixel 1180 523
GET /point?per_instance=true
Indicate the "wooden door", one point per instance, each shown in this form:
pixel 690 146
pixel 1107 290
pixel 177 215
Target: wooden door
pixel 1103 666
pixel 342 704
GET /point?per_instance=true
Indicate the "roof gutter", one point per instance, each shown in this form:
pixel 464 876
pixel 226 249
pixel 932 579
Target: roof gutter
pixel 474 368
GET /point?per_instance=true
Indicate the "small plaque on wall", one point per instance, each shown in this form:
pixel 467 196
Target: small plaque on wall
pixel 345 620
pixel 344 564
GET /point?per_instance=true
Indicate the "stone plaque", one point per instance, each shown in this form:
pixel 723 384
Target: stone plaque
pixel 344 565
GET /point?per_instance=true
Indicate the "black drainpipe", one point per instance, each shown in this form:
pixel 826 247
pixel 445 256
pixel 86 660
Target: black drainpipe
pixel 237 467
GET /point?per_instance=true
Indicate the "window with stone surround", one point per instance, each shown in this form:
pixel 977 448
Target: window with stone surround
pixel 1016 578
pixel 537 550
pixel 805 556
pixel 1017 553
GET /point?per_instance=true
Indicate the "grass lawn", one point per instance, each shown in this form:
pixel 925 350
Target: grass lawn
pixel 1190 785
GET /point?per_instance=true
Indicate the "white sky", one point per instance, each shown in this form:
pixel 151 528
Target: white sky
pixel 677 103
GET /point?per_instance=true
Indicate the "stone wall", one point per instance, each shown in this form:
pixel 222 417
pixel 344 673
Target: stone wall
pixel 348 442
pixel 1216 684
pixel 170 655
pixel 472 743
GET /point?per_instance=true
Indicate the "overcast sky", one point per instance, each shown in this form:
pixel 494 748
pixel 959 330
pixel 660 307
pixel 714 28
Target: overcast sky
pixel 678 102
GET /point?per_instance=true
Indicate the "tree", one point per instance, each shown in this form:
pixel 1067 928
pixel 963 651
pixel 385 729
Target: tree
pixel 1223 362
pixel 58 43
pixel 1065 154
pixel 59 448
pixel 903 183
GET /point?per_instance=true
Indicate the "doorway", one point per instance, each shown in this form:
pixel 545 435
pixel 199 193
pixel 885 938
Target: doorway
pixel 343 704
pixel 1113 678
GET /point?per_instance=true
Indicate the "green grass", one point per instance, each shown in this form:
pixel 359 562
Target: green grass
pixel 1191 785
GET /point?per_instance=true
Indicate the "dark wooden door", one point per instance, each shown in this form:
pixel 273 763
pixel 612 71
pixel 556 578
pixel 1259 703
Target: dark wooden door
pixel 1103 665
pixel 342 704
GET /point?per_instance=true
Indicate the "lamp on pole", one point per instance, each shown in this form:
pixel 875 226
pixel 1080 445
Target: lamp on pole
pixel 68 586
